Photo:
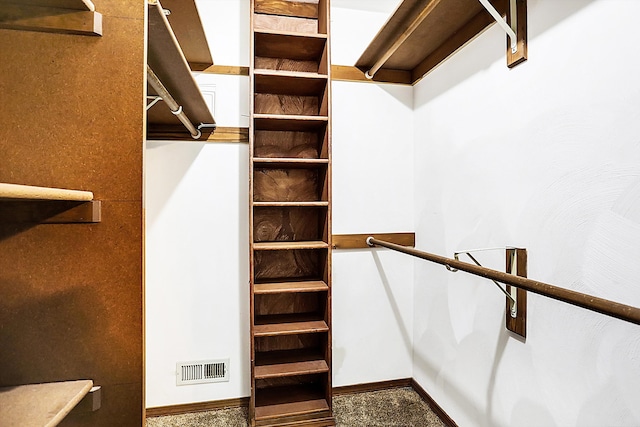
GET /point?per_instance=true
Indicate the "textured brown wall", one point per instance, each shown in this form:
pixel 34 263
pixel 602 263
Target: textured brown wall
pixel 71 295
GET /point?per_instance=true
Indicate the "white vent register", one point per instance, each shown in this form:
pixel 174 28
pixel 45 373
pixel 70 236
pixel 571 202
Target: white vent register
pixel 203 371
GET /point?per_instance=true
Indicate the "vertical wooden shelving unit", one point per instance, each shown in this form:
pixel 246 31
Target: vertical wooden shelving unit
pixel 290 220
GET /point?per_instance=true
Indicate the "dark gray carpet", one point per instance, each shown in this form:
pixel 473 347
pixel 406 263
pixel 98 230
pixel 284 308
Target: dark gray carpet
pixel 400 407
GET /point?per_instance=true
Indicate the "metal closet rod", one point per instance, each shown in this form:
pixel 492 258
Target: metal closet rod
pixel 599 305
pixel 175 108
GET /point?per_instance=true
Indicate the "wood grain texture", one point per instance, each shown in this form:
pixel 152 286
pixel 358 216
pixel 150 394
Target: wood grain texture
pixel 289 303
pixel 304 264
pixel 288 224
pixel 228 70
pixel 229 134
pixel 359 241
pixel 85 5
pixel 50 20
pixel 287 185
pixel 300 9
pixel 291 144
pixel 285 24
pixel 286 105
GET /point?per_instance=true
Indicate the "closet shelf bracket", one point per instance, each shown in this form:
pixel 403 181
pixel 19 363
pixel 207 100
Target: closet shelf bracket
pixel 515 25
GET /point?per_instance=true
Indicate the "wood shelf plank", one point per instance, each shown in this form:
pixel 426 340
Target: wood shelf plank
pixel 291 204
pixel 41 404
pixel 444 21
pixel 29 192
pixel 278 246
pixel 279 370
pixel 187 26
pixel 290 287
pixel 166 59
pixel 86 5
pixel 76 20
pixel 277 325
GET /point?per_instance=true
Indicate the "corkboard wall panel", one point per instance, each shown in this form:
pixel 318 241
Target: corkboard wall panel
pixel 71 301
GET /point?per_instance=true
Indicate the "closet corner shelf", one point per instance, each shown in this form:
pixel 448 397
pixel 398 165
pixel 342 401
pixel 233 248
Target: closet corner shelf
pixel 290 287
pixel 289 82
pixel 41 404
pixel 30 204
pixel 287 44
pixel 77 17
pixel 446 26
pixel 168 61
pixel 287 245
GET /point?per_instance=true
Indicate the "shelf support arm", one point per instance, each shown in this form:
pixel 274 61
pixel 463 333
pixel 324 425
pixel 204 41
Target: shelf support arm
pixel 509 29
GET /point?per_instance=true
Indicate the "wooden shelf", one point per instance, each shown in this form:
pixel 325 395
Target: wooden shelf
pixel 166 59
pixel 187 26
pixel 41 404
pixel 290 287
pixel 29 192
pixel 289 45
pixel 276 402
pixel 279 246
pixel 277 325
pixel 51 16
pixel 291 204
pixel 283 368
pixel 447 26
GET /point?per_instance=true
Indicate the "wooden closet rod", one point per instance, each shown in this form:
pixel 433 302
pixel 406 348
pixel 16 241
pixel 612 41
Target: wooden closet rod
pixel 176 109
pixel 600 305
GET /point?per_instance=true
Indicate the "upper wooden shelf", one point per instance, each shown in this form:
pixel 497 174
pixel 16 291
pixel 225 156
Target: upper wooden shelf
pixel 29 192
pixel 442 28
pixel 289 45
pixel 168 62
pixel 77 17
pixel 187 26
pixel 41 404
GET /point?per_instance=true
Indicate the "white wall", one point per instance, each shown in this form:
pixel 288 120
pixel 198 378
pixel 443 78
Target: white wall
pixel 197 292
pixel 545 156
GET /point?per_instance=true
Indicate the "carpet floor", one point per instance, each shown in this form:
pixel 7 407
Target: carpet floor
pixel 400 407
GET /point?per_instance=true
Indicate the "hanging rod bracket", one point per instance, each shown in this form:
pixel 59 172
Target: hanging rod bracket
pixel 515 26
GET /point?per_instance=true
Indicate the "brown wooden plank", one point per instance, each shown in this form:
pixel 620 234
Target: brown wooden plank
pixel 188 408
pixel 274 329
pixel 50 20
pixel 291 369
pixel 290 82
pixel 85 5
pixel 520 56
pixel 278 246
pixel 227 70
pixel 283 287
pixel 375 386
pixel 354 74
pixel 517 325
pixel 229 134
pixel 187 27
pixel 359 241
pixel 473 28
pixel 292 8
pixel 285 24
pixel 289 45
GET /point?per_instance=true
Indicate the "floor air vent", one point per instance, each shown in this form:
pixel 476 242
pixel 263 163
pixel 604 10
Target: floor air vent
pixel 204 371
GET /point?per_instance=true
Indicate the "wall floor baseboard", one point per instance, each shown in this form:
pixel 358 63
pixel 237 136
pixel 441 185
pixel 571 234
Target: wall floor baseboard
pixel 350 389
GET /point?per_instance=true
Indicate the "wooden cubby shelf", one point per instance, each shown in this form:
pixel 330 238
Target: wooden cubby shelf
pixel 290 222
pixel 285 287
